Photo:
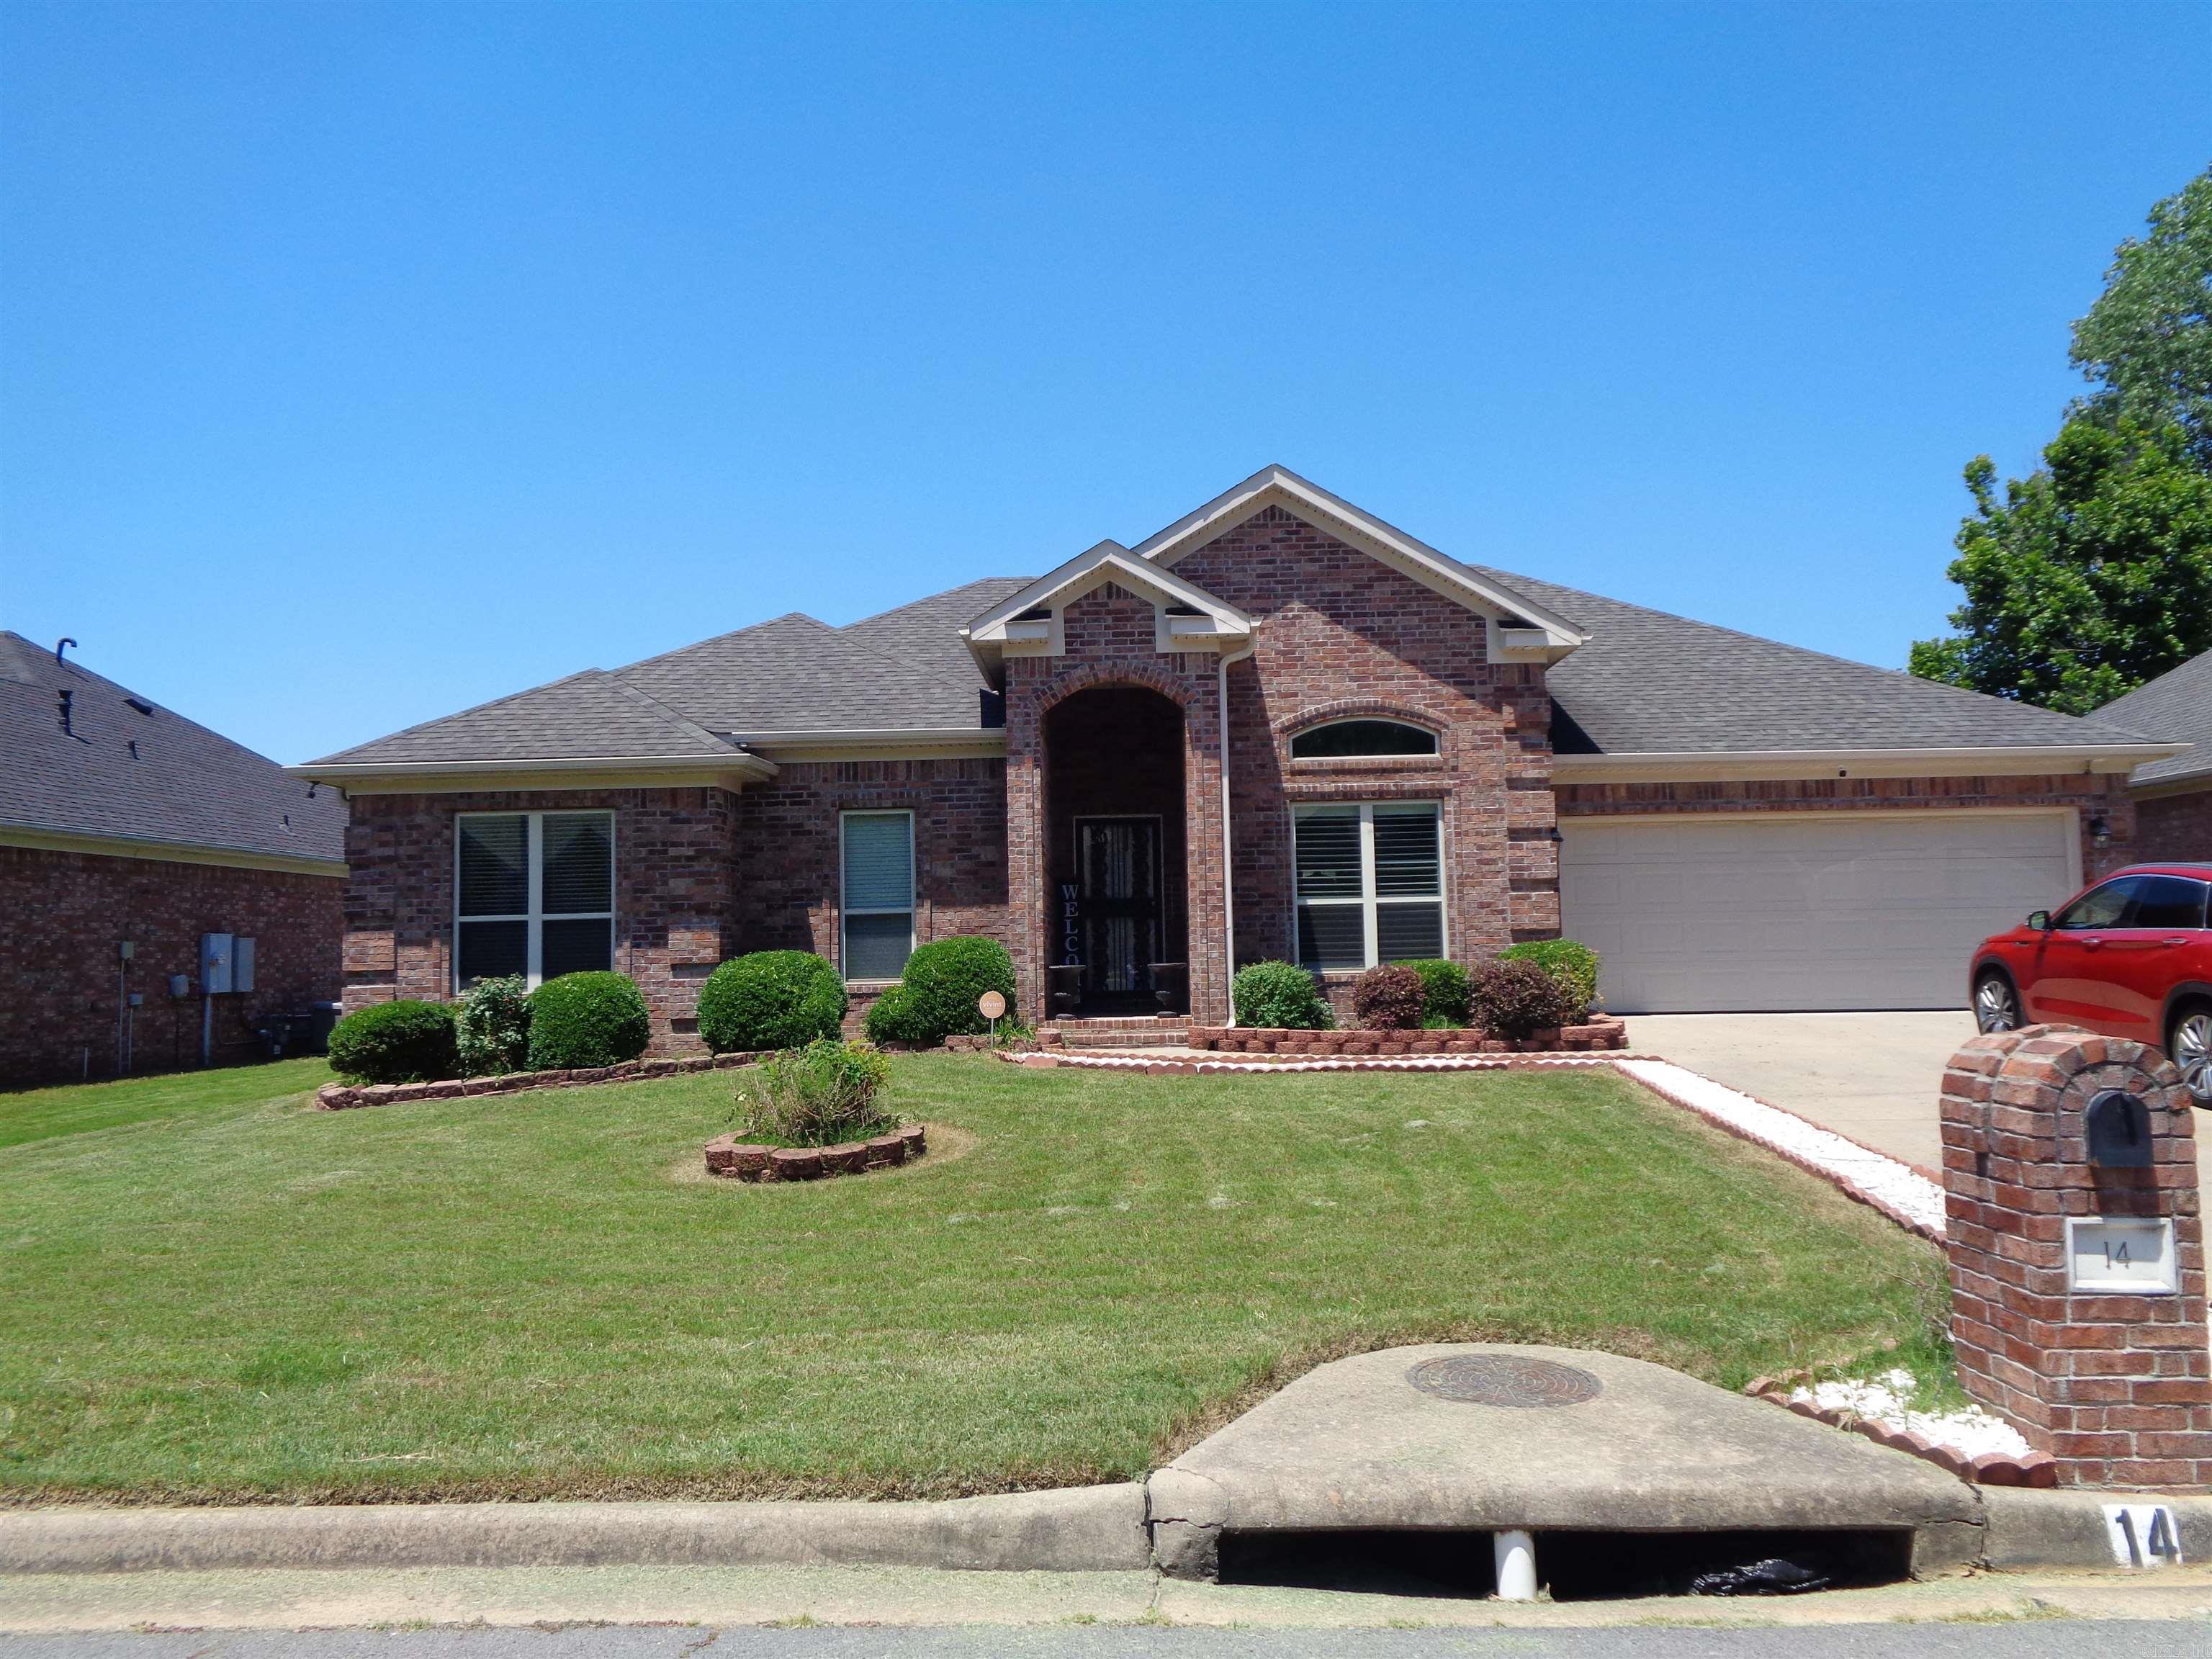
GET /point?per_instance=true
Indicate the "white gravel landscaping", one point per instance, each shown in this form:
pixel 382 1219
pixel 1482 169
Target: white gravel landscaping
pixel 1969 1432
pixel 1896 1188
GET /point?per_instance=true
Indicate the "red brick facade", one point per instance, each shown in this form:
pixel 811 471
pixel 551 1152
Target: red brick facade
pixel 1340 633
pixel 58 959
pixel 2175 827
pixel 1109 724
pixel 2115 1387
pixel 675 860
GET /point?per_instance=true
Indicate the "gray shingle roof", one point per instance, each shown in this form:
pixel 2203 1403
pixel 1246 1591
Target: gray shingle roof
pixel 1649 682
pixel 2175 708
pixel 184 786
pixel 1646 683
pixel 587 716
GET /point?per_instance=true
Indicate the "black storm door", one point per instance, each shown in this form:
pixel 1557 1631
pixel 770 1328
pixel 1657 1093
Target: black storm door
pixel 1117 866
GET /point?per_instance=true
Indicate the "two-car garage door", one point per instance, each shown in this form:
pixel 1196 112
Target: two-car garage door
pixel 1705 913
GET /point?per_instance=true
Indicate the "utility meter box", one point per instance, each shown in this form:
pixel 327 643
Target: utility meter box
pixel 241 962
pixel 214 964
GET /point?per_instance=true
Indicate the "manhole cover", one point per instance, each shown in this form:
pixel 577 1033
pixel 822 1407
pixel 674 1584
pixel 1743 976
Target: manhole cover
pixel 1503 1379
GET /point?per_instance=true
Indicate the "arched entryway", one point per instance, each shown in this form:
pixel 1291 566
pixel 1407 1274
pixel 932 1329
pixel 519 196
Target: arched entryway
pixel 1116 848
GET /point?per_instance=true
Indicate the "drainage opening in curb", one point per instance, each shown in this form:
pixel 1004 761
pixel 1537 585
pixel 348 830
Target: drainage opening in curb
pixel 1573 1566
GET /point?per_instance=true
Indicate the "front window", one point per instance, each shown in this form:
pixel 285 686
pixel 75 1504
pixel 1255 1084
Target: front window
pixel 1370 884
pixel 1353 739
pixel 878 890
pixel 2100 907
pixel 534 895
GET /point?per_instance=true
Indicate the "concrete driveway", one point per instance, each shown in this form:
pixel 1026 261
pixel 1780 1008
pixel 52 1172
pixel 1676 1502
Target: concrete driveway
pixel 1875 1077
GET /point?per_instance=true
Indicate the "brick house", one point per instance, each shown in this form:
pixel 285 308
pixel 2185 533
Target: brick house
pixel 1278 727
pixel 124 825
pixel 2172 795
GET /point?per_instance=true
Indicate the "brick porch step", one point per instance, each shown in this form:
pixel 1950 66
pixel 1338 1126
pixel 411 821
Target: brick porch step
pixel 1136 1031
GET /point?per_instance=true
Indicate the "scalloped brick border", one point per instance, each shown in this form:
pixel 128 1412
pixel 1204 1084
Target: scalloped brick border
pixel 1604 1033
pixel 1990 1469
pixel 736 1160
pixel 344 1097
pixel 1255 1065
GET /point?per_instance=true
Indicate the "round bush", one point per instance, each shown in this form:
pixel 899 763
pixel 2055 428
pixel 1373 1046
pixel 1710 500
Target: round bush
pixel 1389 998
pixel 1443 991
pixel 891 1018
pixel 944 977
pixel 579 1022
pixel 1573 965
pixel 491 1026
pixel 1514 998
pixel 396 1043
pixel 1279 996
pixel 771 999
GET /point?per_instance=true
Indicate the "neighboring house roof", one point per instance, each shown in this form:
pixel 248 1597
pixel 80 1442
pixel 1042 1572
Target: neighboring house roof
pixel 183 789
pixel 2175 708
pixel 1649 682
pixel 1627 681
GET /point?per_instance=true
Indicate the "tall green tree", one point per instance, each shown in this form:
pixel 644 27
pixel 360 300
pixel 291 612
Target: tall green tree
pixel 2092 575
pixel 2095 573
pixel 2147 341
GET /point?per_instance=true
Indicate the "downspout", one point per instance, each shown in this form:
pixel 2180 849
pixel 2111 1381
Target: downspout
pixel 1228 847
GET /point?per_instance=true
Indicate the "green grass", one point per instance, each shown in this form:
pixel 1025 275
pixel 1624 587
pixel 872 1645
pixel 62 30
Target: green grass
pixel 210 1290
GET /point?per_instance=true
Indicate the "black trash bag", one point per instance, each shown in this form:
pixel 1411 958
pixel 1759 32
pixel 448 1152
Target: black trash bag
pixel 1773 1576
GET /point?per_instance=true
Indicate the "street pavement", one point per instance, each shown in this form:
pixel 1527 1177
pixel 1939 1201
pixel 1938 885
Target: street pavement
pixel 2028 1638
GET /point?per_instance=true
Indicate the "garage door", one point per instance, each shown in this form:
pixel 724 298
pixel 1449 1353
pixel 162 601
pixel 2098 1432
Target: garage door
pixel 1708 913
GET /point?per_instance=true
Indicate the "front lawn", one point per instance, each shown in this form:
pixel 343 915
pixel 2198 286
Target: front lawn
pixel 208 1288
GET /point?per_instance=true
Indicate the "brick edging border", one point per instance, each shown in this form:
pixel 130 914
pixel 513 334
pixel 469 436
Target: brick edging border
pixel 1126 1059
pixel 1990 1469
pixel 1598 1035
pixel 344 1097
pixel 729 1158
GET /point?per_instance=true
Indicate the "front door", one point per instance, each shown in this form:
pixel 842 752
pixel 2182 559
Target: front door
pixel 1117 874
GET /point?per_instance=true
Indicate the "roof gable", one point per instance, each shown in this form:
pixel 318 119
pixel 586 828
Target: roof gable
pixel 1005 627
pixel 1278 486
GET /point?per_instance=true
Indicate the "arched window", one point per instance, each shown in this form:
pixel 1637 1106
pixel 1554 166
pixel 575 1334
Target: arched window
pixel 1343 739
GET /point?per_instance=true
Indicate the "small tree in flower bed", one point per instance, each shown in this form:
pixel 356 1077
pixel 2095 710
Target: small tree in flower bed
pixel 1279 996
pixel 492 1026
pixel 1513 998
pixel 823 1095
pixel 1390 997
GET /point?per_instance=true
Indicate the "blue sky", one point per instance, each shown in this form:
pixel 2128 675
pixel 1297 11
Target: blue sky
pixel 357 365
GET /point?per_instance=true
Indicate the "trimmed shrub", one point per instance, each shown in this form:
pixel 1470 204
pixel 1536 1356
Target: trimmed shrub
pixel 1389 998
pixel 1574 965
pixel 771 1000
pixel 944 977
pixel 891 1018
pixel 1443 991
pixel 491 1028
pixel 579 1022
pixel 1513 998
pixel 1280 995
pixel 396 1043
pixel 823 1095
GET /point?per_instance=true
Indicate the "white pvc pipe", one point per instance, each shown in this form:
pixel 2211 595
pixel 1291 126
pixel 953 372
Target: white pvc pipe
pixel 1515 1555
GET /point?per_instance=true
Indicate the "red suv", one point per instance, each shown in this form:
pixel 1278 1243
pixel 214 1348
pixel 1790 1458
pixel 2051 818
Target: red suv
pixel 2131 957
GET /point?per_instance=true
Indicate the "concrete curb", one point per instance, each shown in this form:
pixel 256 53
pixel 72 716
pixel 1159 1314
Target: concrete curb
pixel 1077 1529
pixel 2025 1527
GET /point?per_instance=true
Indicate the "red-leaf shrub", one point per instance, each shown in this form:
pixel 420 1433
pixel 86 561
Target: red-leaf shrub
pixel 1513 998
pixel 1389 999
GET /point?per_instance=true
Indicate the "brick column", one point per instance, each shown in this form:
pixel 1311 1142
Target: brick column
pixel 2097 1364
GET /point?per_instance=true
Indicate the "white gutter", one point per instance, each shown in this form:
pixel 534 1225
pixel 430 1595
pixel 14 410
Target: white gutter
pixel 341 772
pixel 1718 765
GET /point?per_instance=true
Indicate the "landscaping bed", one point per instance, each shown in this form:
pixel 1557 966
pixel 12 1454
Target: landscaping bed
pixel 239 1297
pixel 1601 1032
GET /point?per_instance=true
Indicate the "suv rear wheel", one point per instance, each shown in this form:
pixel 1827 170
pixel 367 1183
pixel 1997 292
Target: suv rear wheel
pixel 1997 1005
pixel 2189 1042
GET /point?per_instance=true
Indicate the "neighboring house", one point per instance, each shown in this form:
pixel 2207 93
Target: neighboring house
pixel 2173 796
pixel 1278 729
pixel 123 825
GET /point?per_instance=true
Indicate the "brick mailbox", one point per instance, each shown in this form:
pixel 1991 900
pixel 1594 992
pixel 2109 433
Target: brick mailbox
pixel 2077 1253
